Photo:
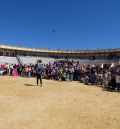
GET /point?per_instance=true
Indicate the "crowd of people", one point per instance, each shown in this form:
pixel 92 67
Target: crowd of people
pixel 106 76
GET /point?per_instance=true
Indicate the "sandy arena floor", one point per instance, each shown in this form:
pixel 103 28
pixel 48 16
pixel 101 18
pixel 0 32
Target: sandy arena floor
pixel 56 105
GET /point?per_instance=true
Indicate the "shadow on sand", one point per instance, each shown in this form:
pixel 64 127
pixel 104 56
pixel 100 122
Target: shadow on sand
pixel 110 90
pixel 29 85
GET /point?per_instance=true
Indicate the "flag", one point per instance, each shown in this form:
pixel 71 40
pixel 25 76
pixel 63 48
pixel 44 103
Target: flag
pixel 102 66
pixel 112 65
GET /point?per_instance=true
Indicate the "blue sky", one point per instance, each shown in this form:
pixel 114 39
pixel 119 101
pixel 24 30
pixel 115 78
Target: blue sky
pixel 78 24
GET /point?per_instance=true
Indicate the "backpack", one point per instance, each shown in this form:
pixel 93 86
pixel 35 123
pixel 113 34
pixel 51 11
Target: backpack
pixel 39 71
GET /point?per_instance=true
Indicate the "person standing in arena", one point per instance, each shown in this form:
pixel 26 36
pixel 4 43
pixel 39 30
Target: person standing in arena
pixel 39 71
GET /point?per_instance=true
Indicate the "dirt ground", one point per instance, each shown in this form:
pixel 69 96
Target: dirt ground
pixel 56 105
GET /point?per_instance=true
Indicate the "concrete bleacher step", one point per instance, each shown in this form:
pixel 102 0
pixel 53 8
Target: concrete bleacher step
pixel 33 60
pixel 9 60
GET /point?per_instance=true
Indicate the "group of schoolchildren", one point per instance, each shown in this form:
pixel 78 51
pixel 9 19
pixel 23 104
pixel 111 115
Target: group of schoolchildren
pixel 106 76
